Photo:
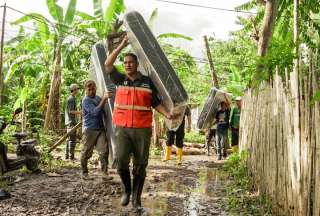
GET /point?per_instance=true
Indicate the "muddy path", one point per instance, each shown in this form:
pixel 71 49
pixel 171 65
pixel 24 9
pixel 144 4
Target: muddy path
pixel 195 188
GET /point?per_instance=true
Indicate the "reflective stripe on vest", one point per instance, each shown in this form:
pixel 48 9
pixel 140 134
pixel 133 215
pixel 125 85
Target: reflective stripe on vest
pixel 133 107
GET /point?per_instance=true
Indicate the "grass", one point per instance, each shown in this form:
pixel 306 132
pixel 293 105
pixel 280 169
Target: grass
pixel 241 195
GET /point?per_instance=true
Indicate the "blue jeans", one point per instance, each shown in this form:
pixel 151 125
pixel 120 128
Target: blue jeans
pixel 221 138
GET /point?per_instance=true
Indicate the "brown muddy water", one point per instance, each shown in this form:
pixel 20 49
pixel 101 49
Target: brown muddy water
pixel 196 188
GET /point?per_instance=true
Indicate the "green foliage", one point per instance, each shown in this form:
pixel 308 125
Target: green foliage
pixel 155 151
pixel 173 35
pixel 241 197
pixel 194 137
pixel 196 84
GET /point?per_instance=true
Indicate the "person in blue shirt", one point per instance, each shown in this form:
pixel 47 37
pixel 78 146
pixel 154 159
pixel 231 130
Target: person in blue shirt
pixel 94 134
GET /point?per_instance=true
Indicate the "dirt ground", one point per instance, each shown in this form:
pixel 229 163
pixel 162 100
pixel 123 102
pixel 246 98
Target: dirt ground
pixel 195 188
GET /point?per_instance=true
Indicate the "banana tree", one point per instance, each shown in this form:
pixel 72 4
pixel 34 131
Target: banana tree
pixel 63 24
pixel 103 22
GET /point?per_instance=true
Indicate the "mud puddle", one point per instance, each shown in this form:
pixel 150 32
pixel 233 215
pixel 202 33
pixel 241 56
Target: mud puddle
pixel 196 188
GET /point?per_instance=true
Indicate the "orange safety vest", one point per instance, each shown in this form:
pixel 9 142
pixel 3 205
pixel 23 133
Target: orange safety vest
pixel 132 107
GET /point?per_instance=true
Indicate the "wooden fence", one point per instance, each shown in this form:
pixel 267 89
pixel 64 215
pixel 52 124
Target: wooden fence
pixel 280 129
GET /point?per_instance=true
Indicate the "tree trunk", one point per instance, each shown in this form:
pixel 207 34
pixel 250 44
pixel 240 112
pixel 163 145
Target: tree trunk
pixel 269 19
pixel 24 117
pixel 213 72
pixel 52 117
pixel 270 15
pixel 1 55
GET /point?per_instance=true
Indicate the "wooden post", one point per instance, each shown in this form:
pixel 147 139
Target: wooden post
pixel 1 54
pixel 213 72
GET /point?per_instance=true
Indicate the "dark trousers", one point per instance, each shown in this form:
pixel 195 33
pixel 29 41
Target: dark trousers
pixel 71 142
pixel 135 142
pixel 221 139
pixel 177 136
pixel 132 141
pixel 97 139
pixel 234 136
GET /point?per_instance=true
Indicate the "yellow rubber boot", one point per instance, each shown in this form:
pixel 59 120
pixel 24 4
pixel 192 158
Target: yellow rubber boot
pixel 179 156
pixel 235 149
pixel 167 153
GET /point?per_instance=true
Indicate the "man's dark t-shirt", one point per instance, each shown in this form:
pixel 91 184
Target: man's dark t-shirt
pixel 71 106
pixel 222 118
pixel 141 81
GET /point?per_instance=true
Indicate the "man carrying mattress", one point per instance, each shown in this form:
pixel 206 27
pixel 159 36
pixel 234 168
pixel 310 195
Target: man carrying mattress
pixel 132 116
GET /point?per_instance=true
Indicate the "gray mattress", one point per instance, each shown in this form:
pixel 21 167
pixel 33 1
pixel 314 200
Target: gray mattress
pixel 102 79
pixel 210 108
pixel 154 63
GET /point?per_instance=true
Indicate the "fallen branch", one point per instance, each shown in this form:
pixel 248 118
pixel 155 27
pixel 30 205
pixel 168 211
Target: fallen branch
pixel 64 137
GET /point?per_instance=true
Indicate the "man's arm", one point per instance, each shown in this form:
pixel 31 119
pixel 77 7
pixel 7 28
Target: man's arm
pixel 95 110
pixel 161 109
pixel 72 107
pixel 114 54
pixel 75 112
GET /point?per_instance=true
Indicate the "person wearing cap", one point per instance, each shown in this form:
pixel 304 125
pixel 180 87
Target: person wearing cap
pixel 71 114
pixel 234 124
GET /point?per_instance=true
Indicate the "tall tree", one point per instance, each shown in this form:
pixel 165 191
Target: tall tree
pixel 61 28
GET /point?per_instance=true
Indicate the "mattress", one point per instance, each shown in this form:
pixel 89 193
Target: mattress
pixel 103 82
pixel 210 108
pixel 154 63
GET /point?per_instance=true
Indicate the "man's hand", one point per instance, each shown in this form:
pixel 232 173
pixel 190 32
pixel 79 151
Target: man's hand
pixel 124 42
pixel 108 64
pixel 106 95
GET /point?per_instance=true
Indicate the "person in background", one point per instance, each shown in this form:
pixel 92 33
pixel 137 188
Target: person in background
pixel 136 95
pixel 234 124
pixel 71 113
pixel 94 134
pixel 177 137
pixel 222 119
pixel 210 135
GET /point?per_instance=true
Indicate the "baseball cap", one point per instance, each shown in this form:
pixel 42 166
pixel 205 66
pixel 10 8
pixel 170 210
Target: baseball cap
pixel 73 87
pixel 238 98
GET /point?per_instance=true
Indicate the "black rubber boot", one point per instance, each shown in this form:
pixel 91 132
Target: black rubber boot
pixel 138 182
pixel 84 166
pixel 72 146
pixel 126 181
pixel 67 149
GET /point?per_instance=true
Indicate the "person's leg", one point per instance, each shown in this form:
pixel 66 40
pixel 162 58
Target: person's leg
pixel 103 151
pixel 169 143
pixel 179 143
pixel 89 141
pixel 122 159
pixel 141 144
pixel 219 140
pixel 235 139
pixel 67 148
pixel 225 144
pixel 72 143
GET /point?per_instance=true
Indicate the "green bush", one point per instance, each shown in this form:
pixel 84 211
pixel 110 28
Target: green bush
pixel 194 137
